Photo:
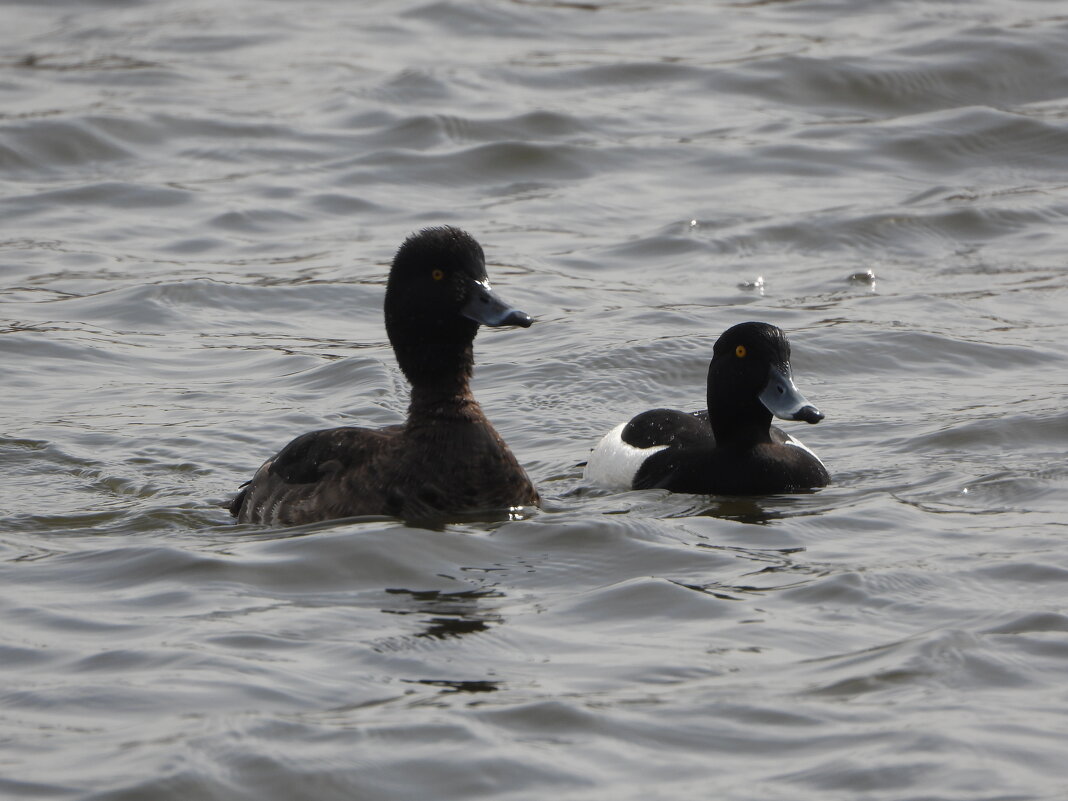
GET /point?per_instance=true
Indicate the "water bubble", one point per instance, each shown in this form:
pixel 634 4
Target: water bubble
pixel 756 284
pixel 863 277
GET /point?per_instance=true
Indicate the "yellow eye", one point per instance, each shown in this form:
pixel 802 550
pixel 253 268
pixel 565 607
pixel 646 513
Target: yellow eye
pixel 740 351
pixel 437 275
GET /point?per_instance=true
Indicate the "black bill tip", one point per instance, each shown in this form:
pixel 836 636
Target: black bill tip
pixel 809 414
pixel 516 317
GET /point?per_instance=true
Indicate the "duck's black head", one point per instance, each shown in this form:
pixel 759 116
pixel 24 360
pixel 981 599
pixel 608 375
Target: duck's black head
pixel 750 379
pixel 437 296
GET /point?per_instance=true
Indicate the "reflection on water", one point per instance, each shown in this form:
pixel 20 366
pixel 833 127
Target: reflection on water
pixel 460 686
pixel 448 614
pixel 744 510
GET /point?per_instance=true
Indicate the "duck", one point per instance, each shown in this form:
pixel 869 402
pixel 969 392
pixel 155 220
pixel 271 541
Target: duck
pixel 446 460
pixel 730 448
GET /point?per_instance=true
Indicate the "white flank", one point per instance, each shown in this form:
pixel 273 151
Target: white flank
pixel 613 463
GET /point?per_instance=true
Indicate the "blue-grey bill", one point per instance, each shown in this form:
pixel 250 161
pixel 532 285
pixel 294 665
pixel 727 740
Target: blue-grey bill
pixel 488 308
pixel 784 400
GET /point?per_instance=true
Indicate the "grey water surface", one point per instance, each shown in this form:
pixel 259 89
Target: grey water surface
pixel 198 205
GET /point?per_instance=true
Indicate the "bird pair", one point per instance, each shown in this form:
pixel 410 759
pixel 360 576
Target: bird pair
pixel 447 460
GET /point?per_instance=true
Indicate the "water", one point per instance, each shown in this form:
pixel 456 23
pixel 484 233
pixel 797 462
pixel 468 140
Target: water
pixel 199 201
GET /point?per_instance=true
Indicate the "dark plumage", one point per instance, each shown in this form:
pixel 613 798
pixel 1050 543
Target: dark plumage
pixel 731 448
pixel 446 459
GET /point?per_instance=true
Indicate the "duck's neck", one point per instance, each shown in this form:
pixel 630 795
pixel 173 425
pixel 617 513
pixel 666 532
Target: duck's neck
pixel 739 425
pixel 440 375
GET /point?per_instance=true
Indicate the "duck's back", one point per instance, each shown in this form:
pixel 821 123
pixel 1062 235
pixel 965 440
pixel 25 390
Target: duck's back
pixel 312 478
pixel 676 450
pixel 413 472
